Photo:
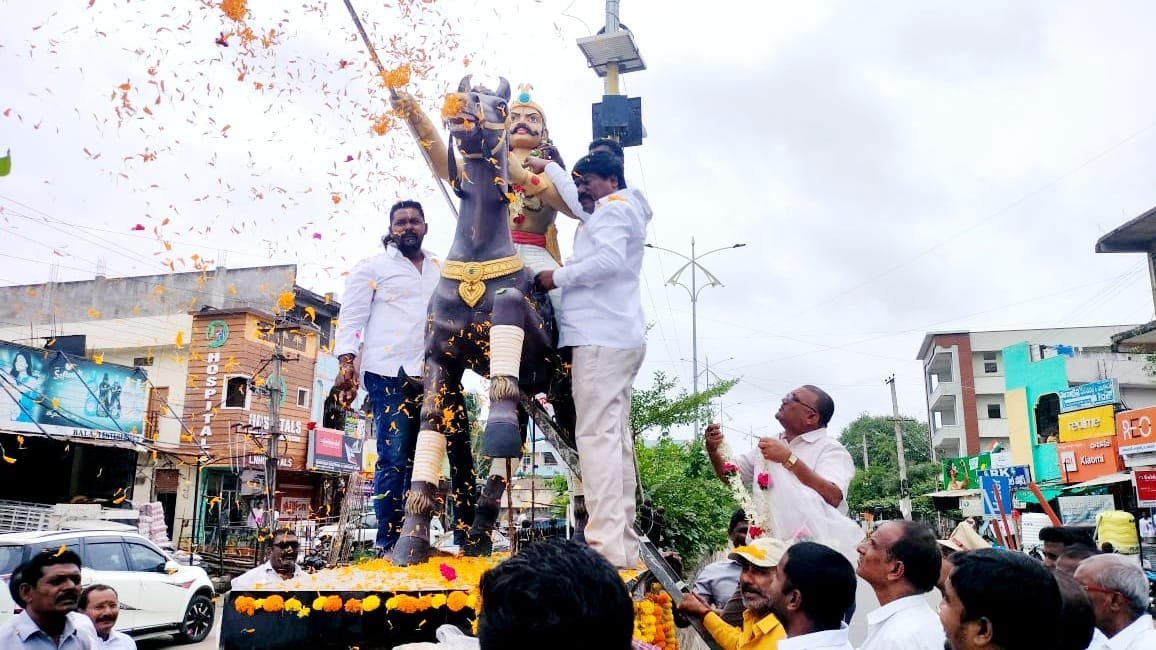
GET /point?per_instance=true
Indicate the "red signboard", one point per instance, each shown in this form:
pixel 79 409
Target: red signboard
pixel 1134 429
pixel 1086 459
pixel 1145 487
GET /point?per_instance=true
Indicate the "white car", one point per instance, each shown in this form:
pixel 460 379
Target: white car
pixel 158 596
pixel 364 532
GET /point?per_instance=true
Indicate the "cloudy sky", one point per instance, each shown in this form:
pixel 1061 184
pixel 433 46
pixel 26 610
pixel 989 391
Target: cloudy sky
pixel 892 167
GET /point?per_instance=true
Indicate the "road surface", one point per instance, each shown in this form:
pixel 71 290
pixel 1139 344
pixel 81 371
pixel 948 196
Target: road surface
pixel 210 643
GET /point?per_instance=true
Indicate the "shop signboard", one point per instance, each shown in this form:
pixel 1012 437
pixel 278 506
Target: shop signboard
pixel 1096 393
pixel 49 392
pixel 1145 487
pixel 1134 429
pixel 1018 475
pixel 960 473
pixel 334 450
pixel 1087 423
pixel 1084 460
pixel 997 493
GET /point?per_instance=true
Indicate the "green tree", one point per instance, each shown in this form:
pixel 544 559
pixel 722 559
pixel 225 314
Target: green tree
pixel 696 506
pixel 677 475
pixel 878 486
pixel 657 408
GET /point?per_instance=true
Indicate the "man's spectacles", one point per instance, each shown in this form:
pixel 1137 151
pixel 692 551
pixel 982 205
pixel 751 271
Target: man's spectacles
pixel 287 546
pixel 791 397
pixel 1098 589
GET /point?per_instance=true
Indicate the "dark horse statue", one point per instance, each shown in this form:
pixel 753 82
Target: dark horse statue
pixel 484 316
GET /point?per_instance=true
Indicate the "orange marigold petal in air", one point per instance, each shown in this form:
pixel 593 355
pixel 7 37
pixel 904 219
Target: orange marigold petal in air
pixel 396 78
pixel 235 9
pixel 452 105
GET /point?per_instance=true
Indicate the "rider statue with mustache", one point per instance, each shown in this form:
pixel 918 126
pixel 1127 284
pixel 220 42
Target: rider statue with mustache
pixel 536 201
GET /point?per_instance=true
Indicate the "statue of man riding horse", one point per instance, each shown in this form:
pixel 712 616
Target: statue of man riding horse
pixel 485 316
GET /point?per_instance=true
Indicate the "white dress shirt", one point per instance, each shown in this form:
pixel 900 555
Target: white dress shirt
pixel 798 509
pixel 825 640
pixel 262 576
pixel 22 633
pixel 601 294
pixel 904 624
pixel 1139 635
pixel 383 312
pixel 116 641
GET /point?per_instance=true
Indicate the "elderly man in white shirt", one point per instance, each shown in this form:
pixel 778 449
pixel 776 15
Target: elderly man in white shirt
pixel 382 330
pixel 803 473
pixel 602 320
pixel 901 561
pixel 1118 590
pixel 814 586
pixel 101 604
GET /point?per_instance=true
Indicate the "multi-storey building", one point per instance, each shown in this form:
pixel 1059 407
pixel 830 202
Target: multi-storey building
pixel 965 380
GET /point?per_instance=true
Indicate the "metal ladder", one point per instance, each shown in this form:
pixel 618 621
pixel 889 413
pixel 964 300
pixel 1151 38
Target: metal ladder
pixel 656 565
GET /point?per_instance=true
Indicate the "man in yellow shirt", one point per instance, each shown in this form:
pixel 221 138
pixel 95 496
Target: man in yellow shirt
pixel 760 630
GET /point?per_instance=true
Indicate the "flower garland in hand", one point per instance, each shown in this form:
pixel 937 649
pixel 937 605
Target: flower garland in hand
pixel 758 518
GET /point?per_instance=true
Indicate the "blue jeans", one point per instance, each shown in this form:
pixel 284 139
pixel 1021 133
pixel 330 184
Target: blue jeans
pixel 396 405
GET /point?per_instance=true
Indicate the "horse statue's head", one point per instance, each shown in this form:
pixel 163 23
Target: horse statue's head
pixel 479 126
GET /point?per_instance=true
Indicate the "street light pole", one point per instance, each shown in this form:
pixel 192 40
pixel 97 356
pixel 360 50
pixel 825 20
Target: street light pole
pixel 904 494
pixel 694 290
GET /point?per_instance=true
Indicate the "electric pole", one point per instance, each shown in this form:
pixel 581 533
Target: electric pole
pixel 904 495
pixel 275 394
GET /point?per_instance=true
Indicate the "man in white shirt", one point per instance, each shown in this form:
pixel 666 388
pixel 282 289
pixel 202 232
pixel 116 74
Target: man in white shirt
pixel 1118 590
pixel 281 564
pixel 901 561
pixel 48 588
pixel 814 586
pixel 101 604
pixel 602 320
pixel 382 326
pixel 806 472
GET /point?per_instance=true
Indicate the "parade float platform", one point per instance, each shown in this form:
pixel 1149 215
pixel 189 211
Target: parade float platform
pixel 371 605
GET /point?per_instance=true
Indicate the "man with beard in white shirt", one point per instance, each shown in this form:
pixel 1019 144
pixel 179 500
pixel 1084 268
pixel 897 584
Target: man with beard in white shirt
pixel 901 561
pixel 1118 590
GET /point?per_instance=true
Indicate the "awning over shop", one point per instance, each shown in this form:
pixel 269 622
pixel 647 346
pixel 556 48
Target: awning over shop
pixel 1107 479
pixel 1027 496
pixel 82 440
pixel 948 494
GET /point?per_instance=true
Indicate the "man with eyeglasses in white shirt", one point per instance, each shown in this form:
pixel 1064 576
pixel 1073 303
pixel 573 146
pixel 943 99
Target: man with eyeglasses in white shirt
pixel 1118 590
pixel 901 561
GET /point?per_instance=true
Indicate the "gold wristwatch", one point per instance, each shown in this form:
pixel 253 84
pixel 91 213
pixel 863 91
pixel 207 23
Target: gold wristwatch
pixel 791 461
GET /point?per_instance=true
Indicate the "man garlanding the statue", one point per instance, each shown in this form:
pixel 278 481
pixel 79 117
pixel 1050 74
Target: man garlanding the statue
pixel 602 320
pixel 799 478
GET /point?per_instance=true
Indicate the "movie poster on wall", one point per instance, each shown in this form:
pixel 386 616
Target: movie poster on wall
pixel 48 392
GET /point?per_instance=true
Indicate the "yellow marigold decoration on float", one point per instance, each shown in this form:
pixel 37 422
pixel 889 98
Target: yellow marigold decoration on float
pixel 274 604
pixel 654 620
pixel 319 603
pixel 370 603
pixel 304 612
pixel 353 606
pixel 246 605
pixel 438 601
pixel 293 605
